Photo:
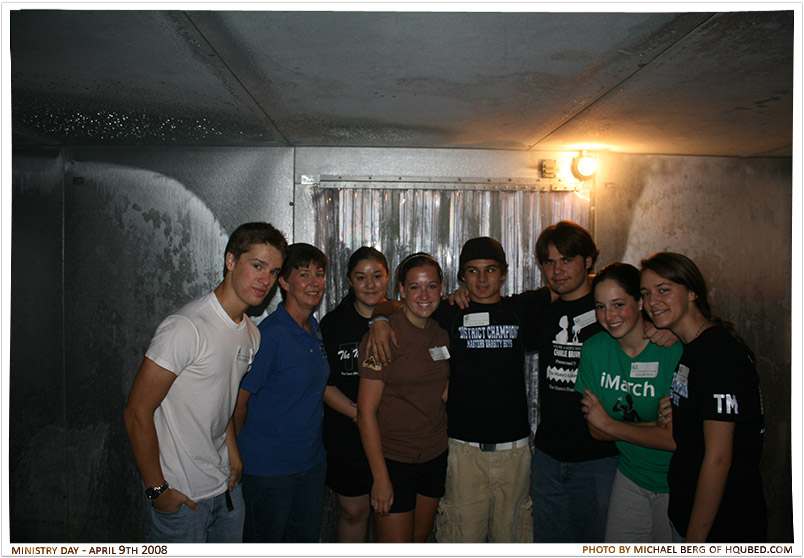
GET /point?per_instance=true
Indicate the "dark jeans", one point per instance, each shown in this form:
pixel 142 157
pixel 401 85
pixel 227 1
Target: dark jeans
pixel 570 500
pixel 286 508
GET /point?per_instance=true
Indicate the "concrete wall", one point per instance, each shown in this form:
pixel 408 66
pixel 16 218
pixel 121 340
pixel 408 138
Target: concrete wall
pixel 108 241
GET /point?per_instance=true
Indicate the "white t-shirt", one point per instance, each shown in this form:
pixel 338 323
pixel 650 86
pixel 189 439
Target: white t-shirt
pixel 209 353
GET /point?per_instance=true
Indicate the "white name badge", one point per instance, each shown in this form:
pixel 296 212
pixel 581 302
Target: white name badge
pixel 477 319
pixel 439 353
pixel 682 375
pixel 584 319
pixel 644 369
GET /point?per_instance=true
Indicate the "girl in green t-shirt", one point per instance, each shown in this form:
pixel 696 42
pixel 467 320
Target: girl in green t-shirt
pixel 625 380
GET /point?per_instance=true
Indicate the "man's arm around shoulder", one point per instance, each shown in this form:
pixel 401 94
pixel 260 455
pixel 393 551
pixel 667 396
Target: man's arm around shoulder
pixel 150 387
pixel 538 298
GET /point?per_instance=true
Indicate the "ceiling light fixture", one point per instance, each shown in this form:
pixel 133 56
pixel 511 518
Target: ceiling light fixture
pixel 584 166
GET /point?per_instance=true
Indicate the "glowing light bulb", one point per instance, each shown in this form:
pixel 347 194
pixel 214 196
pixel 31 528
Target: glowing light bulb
pixel 587 166
pixel 584 166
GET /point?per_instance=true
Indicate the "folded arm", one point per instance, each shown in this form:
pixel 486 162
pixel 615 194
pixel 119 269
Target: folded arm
pixel 602 426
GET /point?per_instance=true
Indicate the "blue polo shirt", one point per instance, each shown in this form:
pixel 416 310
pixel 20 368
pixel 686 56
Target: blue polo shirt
pixel 282 433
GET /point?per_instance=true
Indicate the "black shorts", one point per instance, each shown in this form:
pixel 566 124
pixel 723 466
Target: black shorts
pixel 411 479
pixel 348 477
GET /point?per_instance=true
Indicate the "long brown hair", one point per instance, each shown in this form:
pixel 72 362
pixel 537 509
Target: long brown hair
pixel 678 268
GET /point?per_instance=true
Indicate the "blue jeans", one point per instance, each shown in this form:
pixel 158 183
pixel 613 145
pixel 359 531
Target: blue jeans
pixel 286 508
pixel 570 499
pixel 213 523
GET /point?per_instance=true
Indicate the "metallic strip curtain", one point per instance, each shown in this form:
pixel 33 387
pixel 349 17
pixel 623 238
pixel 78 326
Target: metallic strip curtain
pixel 399 222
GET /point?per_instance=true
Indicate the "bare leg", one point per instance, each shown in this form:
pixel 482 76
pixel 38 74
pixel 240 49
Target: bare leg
pixel 353 521
pixel 424 516
pixel 394 527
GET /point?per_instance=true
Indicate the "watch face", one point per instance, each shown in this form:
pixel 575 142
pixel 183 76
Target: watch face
pixel 154 491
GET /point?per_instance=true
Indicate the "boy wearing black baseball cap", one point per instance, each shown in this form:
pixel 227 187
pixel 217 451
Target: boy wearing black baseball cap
pixel 487 493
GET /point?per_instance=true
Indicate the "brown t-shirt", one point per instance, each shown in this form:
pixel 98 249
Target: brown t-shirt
pixel 411 414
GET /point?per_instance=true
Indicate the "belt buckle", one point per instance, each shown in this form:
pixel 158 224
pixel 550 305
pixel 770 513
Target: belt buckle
pixel 487 447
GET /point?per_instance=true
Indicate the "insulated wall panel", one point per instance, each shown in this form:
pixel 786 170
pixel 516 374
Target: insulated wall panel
pixel 38 481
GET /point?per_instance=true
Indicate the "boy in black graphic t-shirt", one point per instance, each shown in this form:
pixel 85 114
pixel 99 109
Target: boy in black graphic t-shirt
pixel 489 458
pixel 572 473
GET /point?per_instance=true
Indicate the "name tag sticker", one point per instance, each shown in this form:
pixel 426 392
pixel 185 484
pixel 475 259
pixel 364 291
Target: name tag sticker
pixel 644 369
pixel 439 353
pixel 477 319
pixel 584 319
pixel 245 356
pixel 682 375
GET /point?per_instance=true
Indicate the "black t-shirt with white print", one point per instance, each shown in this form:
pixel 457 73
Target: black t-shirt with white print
pixel 560 332
pixel 342 329
pixel 487 400
pixel 717 381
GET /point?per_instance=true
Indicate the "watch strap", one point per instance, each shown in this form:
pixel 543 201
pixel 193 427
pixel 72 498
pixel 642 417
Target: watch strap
pixel 153 492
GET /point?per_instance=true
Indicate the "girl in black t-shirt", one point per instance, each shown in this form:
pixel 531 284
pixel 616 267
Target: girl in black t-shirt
pixel 348 472
pixel 717 420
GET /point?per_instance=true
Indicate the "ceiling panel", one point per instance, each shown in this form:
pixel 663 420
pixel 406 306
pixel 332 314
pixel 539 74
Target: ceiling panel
pixel 691 83
pixel 723 90
pixel 125 77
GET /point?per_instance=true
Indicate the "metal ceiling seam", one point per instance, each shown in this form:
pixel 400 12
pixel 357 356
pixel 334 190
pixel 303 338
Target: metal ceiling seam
pixel 614 87
pixel 237 79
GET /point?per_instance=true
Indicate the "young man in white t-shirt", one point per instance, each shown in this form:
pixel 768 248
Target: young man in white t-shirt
pixel 179 412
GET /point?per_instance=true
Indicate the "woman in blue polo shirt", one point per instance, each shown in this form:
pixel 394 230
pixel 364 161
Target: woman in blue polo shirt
pixel 280 408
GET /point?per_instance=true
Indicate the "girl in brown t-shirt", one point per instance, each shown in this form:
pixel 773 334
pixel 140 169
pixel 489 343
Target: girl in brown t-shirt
pixel 401 411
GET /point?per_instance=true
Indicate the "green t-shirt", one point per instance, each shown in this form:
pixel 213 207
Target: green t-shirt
pixel 630 390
